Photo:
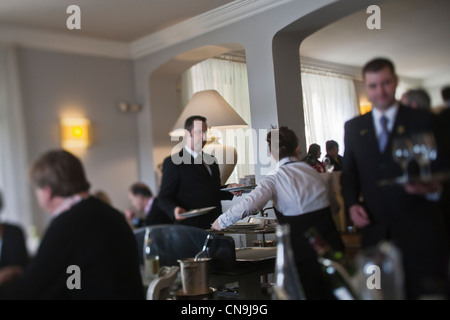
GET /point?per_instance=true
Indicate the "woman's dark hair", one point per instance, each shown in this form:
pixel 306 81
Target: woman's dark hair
pixel 314 148
pixel 61 171
pixel 287 142
pixel 311 157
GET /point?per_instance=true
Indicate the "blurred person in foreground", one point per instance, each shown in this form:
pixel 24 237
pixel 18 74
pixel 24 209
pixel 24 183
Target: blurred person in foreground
pixel 300 197
pixel 13 251
pixel 88 251
pixel 407 215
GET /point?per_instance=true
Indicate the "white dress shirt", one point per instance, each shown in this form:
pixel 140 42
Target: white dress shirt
pixel 195 155
pixel 390 114
pixel 294 188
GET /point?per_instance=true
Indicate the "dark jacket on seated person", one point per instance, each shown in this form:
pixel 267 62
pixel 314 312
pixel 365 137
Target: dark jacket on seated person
pixel 13 246
pixel 95 240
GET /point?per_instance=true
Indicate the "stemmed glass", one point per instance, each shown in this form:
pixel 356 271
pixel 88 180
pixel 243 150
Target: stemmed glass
pixel 424 151
pixel 327 163
pixel 402 149
pixel 380 273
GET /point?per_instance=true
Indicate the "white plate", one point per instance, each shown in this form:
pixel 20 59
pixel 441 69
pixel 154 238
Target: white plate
pixel 196 212
pixel 241 188
pixel 252 254
pixel 244 225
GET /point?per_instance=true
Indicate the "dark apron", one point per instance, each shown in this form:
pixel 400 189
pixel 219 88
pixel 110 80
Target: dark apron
pixel 322 220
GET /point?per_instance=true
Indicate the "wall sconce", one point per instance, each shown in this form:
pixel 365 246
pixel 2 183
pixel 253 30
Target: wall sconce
pixel 365 107
pixel 75 132
pixel 129 107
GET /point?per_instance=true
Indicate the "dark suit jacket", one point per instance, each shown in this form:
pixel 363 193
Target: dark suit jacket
pixel 96 238
pixel 444 118
pixel 14 249
pixel 156 215
pixel 412 222
pixel 189 185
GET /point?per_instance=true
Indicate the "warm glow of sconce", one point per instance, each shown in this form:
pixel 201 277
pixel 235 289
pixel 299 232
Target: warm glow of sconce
pixel 75 132
pixel 365 107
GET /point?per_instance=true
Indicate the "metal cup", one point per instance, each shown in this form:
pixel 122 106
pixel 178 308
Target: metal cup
pixel 195 275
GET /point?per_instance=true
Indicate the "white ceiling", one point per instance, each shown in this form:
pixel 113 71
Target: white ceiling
pixel 415 34
pixel 119 20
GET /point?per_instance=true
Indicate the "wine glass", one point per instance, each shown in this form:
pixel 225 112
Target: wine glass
pixel 380 274
pixel 402 153
pixel 327 163
pixel 424 151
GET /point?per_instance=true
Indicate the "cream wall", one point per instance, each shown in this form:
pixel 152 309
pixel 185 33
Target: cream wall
pixel 57 84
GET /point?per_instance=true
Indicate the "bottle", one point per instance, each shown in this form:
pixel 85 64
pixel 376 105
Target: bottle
pixel 151 260
pixel 287 285
pixel 324 250
pixel 338 271
pixel 338 280
pixel 381 274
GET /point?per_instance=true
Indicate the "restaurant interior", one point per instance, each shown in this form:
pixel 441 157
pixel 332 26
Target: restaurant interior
pixel 115 92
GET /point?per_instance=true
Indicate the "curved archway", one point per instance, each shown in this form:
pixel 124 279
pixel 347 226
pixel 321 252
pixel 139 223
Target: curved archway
pixel 285 45
pixel 165 95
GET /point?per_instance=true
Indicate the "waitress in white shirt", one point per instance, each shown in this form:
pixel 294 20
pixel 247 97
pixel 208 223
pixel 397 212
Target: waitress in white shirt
pixel 301 199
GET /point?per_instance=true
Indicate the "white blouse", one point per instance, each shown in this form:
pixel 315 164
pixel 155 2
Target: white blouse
pixel 294 188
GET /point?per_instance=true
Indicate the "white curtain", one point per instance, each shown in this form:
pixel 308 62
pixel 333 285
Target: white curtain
pixel 329 100
pixel 229 78
pixel 14 183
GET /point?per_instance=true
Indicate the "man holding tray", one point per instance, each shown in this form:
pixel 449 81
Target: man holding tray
pixel 191 181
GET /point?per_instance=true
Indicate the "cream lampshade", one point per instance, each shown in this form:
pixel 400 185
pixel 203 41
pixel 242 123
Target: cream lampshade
pixel 211 105
pixel 219 115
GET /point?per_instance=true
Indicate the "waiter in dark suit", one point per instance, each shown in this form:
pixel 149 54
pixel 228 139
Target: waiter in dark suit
pixel 191 179
pixel 409 215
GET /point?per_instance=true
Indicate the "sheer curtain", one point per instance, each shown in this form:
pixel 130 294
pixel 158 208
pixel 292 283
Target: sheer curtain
pixel 229 78
pixel 14 184
pixel 329 100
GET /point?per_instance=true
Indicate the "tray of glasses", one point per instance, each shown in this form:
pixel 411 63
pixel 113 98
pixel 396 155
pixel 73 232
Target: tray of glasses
pixel 402 180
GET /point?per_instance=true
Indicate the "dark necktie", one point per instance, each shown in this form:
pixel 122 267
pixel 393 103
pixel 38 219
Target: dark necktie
pixel 384 135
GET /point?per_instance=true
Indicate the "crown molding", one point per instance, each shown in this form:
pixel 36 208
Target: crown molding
pixel 201 24
pixel 327 66
pixel 55 41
